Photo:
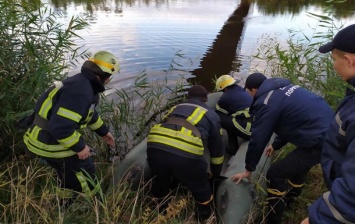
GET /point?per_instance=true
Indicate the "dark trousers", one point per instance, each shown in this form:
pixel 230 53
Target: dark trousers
pixel 69 168
pixel 285 179
pixel 191 173
pixel 233 132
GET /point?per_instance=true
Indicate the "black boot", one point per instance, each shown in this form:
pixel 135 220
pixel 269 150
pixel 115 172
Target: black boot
pixel 203 212
pixel 275 211
pixel 291 195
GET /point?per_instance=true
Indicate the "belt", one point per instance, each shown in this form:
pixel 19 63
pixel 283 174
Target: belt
pixel 40 122
pixel 183 123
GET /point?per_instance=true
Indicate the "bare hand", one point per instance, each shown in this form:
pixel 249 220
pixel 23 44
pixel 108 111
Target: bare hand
pixel 305 221
pixel 269 151
pixel 85 153
pixel 109 139
pixel 239 176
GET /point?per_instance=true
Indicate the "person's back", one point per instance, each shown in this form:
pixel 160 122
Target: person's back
pixel 233 100
pixel 204 119
pixel 297 116
pixel 233 110
pixel 76 93
pixel 175 149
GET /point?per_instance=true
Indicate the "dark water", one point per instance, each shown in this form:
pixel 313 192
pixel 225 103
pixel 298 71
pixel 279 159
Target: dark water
pixel 206 38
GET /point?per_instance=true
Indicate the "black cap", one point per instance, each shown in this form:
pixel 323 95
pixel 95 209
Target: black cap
pixel 254 81
pixel 344 40
pixel 199 92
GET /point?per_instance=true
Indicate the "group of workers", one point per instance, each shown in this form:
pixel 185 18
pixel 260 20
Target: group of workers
pixel 176 146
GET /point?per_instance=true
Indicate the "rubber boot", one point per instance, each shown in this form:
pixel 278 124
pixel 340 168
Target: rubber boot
pixel 291 195
pixel 203 212
pixel 275 211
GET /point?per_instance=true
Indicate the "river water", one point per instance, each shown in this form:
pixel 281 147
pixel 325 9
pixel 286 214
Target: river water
pixel 206 38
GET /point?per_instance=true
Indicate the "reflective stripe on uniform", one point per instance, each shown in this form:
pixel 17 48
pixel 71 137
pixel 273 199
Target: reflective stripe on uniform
pixel 196 115
pixel 206 202
pixel 71 140
pixel 220 109
pixel 182 140
pixel 295 185
pixel 217 160
pixel 89 117
pixel 69 114
pixel 47 103
pixel 276 192
pixel 41 149
pixel 339 122
pixel 85 186
pixel 246 114
pixel 96 125
pixel 268 97
pixel 334 211
pixel 64 193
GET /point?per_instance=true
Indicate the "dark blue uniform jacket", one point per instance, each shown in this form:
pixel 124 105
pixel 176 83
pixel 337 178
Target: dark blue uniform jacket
pixel 293 113
pixel 235 99
pixel 338 164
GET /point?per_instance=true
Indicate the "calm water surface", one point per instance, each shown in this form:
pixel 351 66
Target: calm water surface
pixel 215 37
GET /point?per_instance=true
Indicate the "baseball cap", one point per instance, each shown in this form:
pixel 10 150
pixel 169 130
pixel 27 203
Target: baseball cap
pixel 344 40
pixel 198 91
pixel 254 81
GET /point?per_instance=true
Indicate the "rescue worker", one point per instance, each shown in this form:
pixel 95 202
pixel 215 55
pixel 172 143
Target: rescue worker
pixel 338 154
pixel 297 116
pixel 176 147
pixel 60 113
pixel 233 110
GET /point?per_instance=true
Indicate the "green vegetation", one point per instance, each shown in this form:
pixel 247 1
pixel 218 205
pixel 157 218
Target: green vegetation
pixel 339 9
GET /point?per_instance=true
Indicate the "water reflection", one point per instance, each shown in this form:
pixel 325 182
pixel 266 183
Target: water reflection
pixel 105 5
pixel 268 7
pixel 222 54
pixel 277 7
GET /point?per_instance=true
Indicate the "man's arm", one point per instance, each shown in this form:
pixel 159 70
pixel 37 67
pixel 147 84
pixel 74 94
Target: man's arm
pixel 342 193
pixel 265 118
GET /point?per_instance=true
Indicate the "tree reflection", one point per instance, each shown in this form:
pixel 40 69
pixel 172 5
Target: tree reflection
pixel 104 5
pixel 219 57
pixel 277 7
pixel 270 7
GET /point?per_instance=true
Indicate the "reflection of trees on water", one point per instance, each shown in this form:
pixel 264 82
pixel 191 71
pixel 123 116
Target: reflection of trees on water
pixel 105 5
pixel 219 58
pixel 275 7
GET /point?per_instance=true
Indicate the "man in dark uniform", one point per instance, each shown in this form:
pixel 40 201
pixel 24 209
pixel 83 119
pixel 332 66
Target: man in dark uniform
pixel 338 154
pixel 233 109
pixel 176 148
pixel 60 112
pixel 297 116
